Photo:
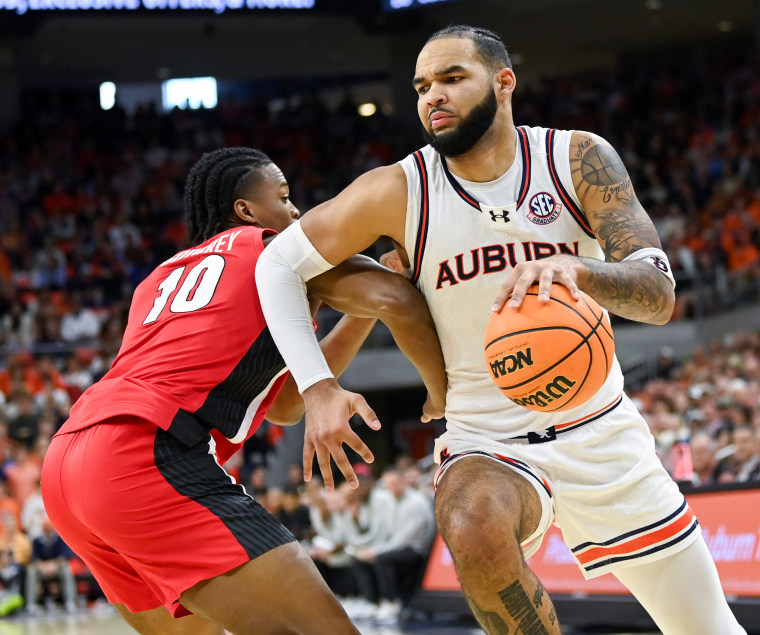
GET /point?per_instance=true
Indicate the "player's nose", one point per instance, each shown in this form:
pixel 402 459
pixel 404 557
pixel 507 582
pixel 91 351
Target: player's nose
pixel 294 213
pixel 435 96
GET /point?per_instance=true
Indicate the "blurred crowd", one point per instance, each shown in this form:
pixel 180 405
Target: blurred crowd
pixel 91 201
pixel 704 411
pixel 369 543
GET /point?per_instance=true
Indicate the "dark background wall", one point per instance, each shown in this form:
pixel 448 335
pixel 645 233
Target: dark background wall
pixel 346 38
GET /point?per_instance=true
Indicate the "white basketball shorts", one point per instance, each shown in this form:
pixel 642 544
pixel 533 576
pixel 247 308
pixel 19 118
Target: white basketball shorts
pixel 601 483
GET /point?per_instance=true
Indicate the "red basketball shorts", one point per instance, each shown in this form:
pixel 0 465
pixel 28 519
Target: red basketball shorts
pixel 149 516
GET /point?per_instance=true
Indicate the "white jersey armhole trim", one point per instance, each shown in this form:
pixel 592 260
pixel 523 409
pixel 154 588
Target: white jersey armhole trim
pixel 562 140
pixel 411 224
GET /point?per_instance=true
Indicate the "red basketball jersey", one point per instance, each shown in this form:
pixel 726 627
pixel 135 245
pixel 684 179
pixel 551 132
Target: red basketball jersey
pixel 196 354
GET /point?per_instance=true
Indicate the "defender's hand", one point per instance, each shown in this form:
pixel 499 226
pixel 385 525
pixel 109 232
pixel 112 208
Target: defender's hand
pixel 561 268
pixel 431 410
pixel 328 411
pixel 392 261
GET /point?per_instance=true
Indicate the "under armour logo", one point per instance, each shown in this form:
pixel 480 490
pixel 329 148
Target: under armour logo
pixel 504 215
pixel 660 264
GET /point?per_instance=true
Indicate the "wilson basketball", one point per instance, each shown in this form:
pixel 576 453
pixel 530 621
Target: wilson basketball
pixel 550 357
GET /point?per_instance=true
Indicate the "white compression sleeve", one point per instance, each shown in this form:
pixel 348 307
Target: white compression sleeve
pixel 281 272
pixel 682 593
pixel 656 258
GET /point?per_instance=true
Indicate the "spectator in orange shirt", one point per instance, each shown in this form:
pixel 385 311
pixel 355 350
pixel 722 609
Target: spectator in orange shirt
pixel 753 209
pixel 19 373
pixel 47 370
pixel 743 255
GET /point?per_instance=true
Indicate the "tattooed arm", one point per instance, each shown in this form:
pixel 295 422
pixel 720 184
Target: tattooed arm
pixel 631 289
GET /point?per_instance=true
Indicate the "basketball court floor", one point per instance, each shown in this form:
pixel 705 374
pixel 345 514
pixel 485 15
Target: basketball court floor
pixel 103 620
pixel 107 623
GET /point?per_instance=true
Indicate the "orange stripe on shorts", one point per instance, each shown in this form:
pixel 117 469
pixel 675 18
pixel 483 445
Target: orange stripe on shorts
pixel 639 542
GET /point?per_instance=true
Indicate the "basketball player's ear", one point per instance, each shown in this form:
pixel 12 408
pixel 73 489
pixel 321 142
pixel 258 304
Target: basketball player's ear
pixel 243 211
pixel 506 82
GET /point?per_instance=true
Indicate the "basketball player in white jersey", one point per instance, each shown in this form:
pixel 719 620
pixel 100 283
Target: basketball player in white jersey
pixel 481 213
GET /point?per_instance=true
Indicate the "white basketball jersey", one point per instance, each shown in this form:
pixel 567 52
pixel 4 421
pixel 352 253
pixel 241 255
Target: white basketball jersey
pixel 462 239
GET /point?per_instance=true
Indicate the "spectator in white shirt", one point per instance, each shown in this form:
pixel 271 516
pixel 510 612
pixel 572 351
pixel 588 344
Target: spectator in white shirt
pixel 397 561
pixel 33 514
pixel 327 512
pixel 80 323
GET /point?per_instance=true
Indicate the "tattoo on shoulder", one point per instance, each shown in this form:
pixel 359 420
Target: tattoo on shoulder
pixel 598 170
pixel 622 192
pixel 582 147
pixel 620 223
pixel 601 166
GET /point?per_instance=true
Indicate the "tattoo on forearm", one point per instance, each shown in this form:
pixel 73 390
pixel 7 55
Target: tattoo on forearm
pixel 492 623
pixel 519 606
pixel 621 232
pixel 637 292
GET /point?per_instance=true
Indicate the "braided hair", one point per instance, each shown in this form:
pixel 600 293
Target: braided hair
pixel 214 183
pixel 489 45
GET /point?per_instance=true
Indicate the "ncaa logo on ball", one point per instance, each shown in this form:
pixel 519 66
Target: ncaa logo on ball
pixel 543 208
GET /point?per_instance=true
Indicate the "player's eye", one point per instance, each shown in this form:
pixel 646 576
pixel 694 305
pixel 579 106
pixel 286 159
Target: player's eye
pixel 421 90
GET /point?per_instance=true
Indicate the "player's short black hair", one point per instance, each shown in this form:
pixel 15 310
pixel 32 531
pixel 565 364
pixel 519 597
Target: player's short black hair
pixel 489 45
pixel 214 183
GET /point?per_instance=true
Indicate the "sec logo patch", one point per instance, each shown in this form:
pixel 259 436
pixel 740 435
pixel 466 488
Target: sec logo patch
pixel 543 209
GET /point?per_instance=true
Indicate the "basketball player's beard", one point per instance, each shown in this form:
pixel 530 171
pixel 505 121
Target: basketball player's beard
pixel 469 131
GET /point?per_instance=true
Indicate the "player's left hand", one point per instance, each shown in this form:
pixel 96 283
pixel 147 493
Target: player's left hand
pixel 560 268
pixel 431 410
pixel 392 261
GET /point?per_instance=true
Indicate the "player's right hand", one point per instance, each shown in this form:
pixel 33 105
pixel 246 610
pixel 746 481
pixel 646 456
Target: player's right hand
pixel 329 409
pixel 560 268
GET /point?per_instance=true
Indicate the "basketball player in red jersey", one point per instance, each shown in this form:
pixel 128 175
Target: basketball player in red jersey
pixel 133 480
pixel 478 215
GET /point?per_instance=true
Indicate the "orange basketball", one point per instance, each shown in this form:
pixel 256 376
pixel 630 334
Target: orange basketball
pixel 550 357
